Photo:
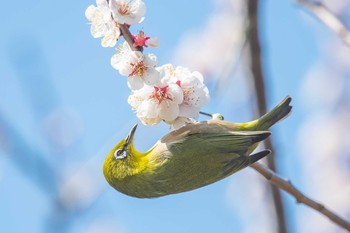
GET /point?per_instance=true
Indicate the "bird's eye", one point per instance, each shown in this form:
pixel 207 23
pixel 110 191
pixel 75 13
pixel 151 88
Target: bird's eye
pixel 120 154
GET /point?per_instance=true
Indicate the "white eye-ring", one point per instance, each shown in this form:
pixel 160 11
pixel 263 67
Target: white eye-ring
pixel 120 154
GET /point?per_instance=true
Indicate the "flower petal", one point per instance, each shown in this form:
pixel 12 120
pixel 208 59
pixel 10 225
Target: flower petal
pixel 101 3
pixel 150 60
pixel 188 111
pixel 198 76
pixel 168 111
pixel 135 83
pixel 110 39
pixel 153 42
pixel 148 109
pixel 97 30
pixel 151 76
pixel 90 12
pixel 134 11
pixel 175 93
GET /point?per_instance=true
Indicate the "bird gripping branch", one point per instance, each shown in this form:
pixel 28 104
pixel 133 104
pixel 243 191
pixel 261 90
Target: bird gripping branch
pixel 191 157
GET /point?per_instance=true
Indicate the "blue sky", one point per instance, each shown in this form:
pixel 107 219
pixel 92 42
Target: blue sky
pixel 54 74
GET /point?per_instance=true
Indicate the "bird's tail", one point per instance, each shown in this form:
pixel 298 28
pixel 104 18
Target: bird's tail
pixel 257 156
pixel 281 111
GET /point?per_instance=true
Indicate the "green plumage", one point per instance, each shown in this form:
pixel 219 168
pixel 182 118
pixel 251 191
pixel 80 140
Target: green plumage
pixel 191 157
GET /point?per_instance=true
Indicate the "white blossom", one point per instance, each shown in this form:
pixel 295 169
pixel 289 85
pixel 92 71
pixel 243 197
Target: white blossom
pixel 195 93
pixel 176 98
pixel 157 102
pixel 138 67
pixel 102 24
pixel 172 95
pixel 111 36
pixel 128 12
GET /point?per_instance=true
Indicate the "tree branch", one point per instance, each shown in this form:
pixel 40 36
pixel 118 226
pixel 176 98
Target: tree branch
pixel 287 186
pixel 328 18
pixel 259 84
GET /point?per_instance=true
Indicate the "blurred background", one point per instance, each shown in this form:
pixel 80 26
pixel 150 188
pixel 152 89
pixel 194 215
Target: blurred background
pixel 63 107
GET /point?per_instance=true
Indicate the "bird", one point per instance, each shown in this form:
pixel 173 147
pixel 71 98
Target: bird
pixel 193 156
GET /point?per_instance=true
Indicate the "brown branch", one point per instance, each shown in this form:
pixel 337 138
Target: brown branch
pixel 259 85
pixel 328 18
pixel 287 186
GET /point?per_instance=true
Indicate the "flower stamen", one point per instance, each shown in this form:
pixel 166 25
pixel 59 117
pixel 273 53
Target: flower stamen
pixel 160 94
pixel 138 69
pixel 124 9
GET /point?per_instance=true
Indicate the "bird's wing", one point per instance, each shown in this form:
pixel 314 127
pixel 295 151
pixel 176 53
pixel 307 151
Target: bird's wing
pixel 225 148
pixel 195 159
pixel 215 137
pixel 231 142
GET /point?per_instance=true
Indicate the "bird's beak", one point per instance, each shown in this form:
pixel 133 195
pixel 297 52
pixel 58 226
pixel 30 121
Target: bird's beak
pixel 130 137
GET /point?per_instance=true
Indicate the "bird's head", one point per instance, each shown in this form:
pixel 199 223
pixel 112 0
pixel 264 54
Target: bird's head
pixel 123 160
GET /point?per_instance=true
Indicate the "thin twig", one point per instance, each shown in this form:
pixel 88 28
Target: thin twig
pixel 259 85
pixel 328 18
pixel 206 114
pixel 287 186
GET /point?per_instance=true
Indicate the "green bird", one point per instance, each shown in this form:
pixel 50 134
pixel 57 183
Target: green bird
pixel 191 157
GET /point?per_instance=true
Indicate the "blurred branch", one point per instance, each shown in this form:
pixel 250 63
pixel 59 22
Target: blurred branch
pixel 287 186
pixel 328 18
pixel 31 161
pixel 259 85
pixel 231 68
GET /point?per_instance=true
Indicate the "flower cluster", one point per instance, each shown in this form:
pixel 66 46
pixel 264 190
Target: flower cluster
pixel 158 93
pixel 175 97
pixel 106 16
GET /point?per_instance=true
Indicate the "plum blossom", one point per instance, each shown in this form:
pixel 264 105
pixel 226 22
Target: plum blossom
pixel 138 67
pixel 170 94
pixel 157 102
pixel 195 92
pixel 102 24
pixel 128 12
pixel 175 99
